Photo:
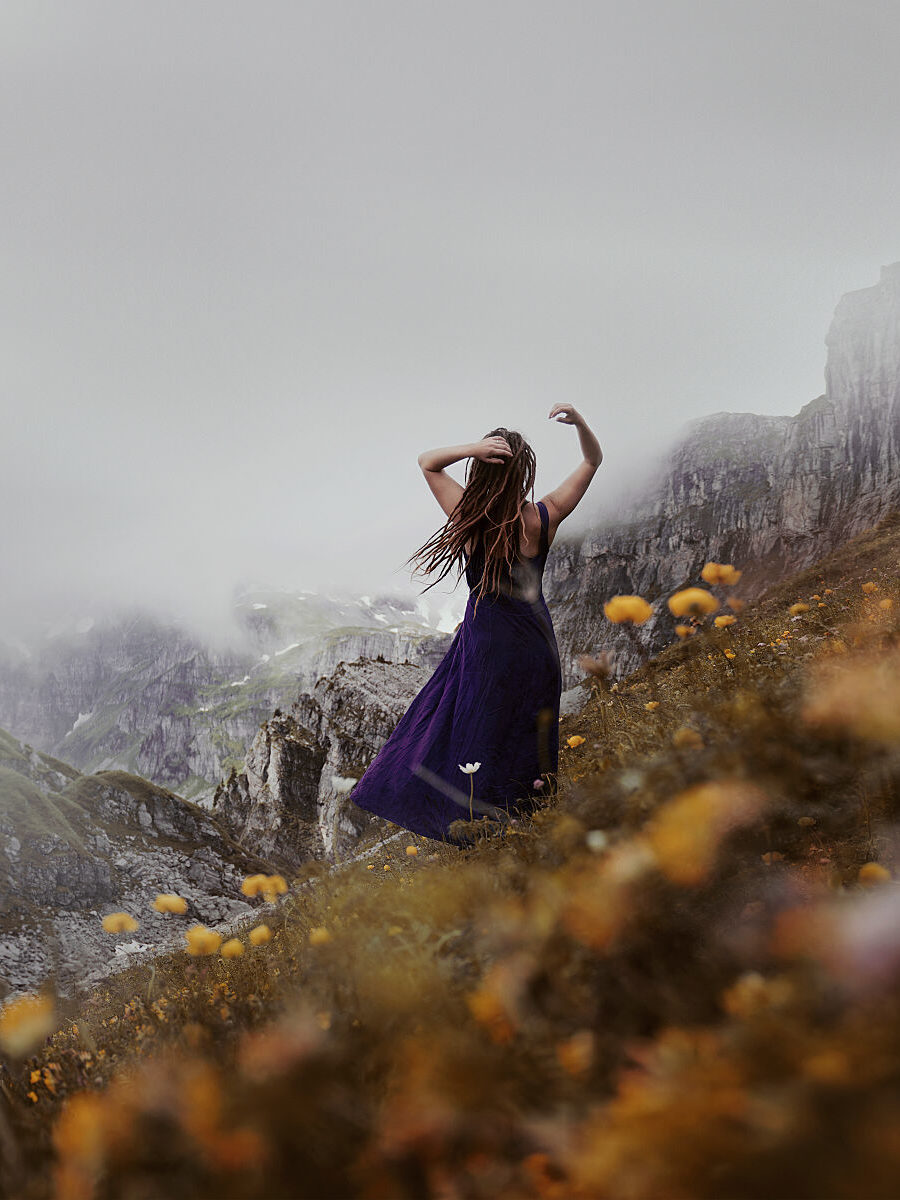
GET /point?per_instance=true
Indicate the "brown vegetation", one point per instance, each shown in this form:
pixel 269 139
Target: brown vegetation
pixel 679 978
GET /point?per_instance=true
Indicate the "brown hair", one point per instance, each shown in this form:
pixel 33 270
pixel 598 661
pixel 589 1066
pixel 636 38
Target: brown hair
pixel 489 514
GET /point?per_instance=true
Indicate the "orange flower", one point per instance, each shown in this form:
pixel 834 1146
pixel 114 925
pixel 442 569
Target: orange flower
pixel 575 740
pixel 201 941
pixel 692 601
pixel 119 922
pixel 627 608
pixel 720 573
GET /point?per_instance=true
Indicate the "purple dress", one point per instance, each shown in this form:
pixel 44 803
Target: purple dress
pixel 493 700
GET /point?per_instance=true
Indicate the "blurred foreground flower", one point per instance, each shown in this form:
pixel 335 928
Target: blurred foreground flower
pixel 168 902
pixel 796 609
pixel 25 1022
pixel 119 922
pixel 720 573
pixel 858 695
pixel 260 934
pixel 598 666
pixel 233 948
pixel 685 833
pixel 686 738
pixel 627 608
pixel 692 601
pixel 201 940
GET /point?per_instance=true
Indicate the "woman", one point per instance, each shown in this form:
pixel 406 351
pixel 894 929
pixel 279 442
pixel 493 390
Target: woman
pixel 482 736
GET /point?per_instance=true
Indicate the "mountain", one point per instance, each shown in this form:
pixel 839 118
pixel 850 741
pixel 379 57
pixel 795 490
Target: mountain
pixel 138 694
pixel 74 847
pixel 769 494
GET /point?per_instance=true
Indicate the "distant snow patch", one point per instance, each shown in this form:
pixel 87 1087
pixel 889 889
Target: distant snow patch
pixel 260 606
pixel 239 682
pixel 292 646
pixel 80 720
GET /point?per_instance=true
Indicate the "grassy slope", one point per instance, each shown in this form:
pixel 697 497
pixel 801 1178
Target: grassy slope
pixel 531 1018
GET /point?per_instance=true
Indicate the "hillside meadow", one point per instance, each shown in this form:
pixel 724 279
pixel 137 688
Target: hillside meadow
pixel 678 978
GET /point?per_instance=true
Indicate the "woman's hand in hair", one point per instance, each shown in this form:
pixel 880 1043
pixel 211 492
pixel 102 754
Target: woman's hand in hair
pixel 492 449
pixel 566 414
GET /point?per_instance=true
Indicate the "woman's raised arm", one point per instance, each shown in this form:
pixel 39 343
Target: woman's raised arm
pixel 562 500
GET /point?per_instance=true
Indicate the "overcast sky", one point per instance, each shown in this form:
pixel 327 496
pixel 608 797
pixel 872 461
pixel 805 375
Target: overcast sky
pixel 255 257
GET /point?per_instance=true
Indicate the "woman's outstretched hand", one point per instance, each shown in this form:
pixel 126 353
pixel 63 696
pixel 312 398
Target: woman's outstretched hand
pixel 491 449
pixel 566 414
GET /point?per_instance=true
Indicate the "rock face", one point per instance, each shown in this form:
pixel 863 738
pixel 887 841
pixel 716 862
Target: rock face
pixel 768 494
pixel 289 804
pixel 74 847
pixel 146 697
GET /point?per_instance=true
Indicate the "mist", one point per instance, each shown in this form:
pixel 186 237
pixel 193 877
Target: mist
pixel 254 259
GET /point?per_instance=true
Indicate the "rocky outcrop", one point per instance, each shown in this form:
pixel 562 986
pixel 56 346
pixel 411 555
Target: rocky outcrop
pixel 74 847
pixel 770 494
pixel 291 803
pixel 144 696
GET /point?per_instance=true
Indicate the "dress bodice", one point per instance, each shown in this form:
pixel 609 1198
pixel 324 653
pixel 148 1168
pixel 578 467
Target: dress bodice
pixel 521 581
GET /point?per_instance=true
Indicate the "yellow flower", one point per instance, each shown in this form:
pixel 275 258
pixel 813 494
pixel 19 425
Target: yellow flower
pixel 829 591
pixel 720 573
pixel 887 602
pixel 798 608
pixel 651 705
pixel 627 608
pixel 233 948
pixel 119 922
pixel 735 603
pixel 575 740
pixel 729 653
pixel 25 1022
pixel 387 866
pixel 871 873
pixel 725 619
pixel 273 886
pixel 319 936
pixel 253 884
pixel 870 587
pixel 201 940
pixel 684 631
pixel 412 849
pixel 260 934
pixel 687 738
pixel 692 601
pixel 168 902
pixel 370 866
pixel 815 596
pixel 686 831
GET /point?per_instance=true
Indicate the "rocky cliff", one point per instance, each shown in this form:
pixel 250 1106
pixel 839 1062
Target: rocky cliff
pixel 146 697
pixel 74 847
pixel 770 494
pixel 290 803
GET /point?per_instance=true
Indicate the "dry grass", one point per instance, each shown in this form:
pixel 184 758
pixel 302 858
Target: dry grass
pixel 668 982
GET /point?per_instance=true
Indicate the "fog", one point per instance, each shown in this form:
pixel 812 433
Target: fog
pixel 254 258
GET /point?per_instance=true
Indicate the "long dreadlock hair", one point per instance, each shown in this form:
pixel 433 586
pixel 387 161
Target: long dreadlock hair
pixel 489 514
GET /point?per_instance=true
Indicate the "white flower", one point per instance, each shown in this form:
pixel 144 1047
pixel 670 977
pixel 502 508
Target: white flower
pixel 469 768
pixel 342 784
pixel 596 840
